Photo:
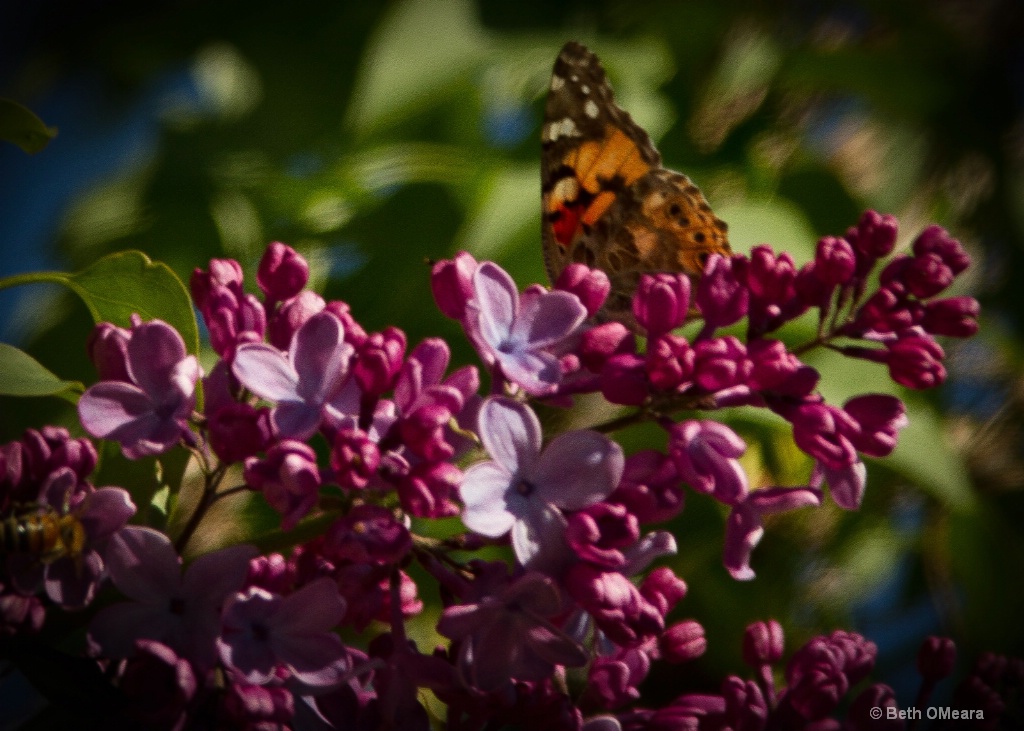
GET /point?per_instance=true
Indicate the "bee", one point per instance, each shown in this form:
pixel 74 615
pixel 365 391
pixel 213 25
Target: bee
pixel 43 534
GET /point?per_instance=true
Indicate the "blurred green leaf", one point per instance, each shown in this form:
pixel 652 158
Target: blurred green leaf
pixel 120 285
pixel 23 375
pixel 776 222
pixel 20 126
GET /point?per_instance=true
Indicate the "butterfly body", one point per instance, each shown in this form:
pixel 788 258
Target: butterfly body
pixel 607 200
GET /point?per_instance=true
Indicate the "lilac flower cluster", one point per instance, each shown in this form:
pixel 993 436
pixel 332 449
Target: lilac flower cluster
pixel 354 429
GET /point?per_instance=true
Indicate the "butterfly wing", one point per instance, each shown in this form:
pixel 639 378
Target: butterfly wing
pixel 593 152
pixel 607 201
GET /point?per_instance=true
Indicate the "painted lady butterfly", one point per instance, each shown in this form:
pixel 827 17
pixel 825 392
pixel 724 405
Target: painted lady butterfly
pixel 607 201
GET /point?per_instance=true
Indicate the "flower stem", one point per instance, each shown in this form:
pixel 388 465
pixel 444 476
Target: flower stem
pixel 208 498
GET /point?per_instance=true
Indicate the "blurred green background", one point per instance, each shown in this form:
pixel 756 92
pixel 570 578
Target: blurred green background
pixel 376 136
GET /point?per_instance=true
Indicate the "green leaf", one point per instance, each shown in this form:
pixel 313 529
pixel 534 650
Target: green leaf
pixel 128 282
pixel 20 126
pixel 23 375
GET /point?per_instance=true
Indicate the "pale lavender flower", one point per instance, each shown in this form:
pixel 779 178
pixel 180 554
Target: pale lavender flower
pixel 180 610
pixel 263 632
pixel 149 414
pixel 508 635
pixel 520 333
pixel 309 384
pixel 522 489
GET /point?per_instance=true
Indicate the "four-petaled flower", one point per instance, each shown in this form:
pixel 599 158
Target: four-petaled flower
pixel 523 489
pixel 309 384
pixel 148 414
pixel 521 333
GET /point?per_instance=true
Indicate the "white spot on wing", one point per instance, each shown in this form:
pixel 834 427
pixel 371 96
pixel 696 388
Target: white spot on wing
pixel 574 78
pixel 585 89
pixel 563 128
pixel 566 189
pixel 590 109
pixel 557 82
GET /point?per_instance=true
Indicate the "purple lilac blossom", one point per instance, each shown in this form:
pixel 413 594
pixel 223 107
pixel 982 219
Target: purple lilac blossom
pixel 523 489
pixel 263 632
pixel 148 414
pixel 310 384
pixel 179 609
pixel 521 333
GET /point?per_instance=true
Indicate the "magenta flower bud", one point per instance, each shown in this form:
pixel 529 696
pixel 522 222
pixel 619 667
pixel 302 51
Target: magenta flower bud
pixel 878 696
pixel 936 241
pixel 776 369
pixel 873 237
pixel 282 272
pixel 880 419
pixel 368 534
pixel 763 643
pixel 624 380
pixel 613 680
pixel 427 490
pixel 291 316
pixel 354 458
pixel 936 658
pixel 720 363
pixel 810 289
pixel 259 707
pixel 650 487
pixel 746 707
pixel 705 453
pixel 49 449
pixel 600 343
pixel 926 275
pixel 590 285
pixel 824 432
pixel 683 642
pixel 225 273
pixel 271 572
pixel 423 432
pixel 354 332
pixel 887 310
pixel 289 479
pixel 451 281
pixel 955 317
pixel 816 679
pixel 770 277
pixel 915 361
pixel 663 589
pixel 108 351
pixel 670 361
pixel 158 686
pixel 834 261
pixel 721 297
pixel 238 431
pixel 598 532
pixel 379 360
pixel 616 605
pixel 661 302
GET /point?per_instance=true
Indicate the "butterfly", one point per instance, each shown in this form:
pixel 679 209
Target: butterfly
pixel 607 201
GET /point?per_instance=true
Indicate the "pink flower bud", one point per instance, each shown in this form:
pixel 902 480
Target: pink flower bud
pixel 451 281
pixel 763 643
pixel 282 272
pixel 661 302
pixel 683 642
pixel 590 285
